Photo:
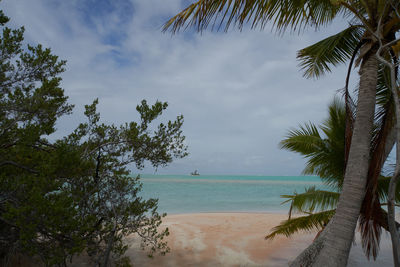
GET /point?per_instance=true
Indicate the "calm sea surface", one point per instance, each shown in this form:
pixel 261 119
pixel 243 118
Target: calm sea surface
pixel 224 193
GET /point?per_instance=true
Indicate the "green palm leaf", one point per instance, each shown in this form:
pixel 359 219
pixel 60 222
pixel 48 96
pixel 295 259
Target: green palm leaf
pixel 312 200
pixel 325 156
pixel 305 140
pixel 316 59
pixel 282 13
pixel 334 125
pixel 305 223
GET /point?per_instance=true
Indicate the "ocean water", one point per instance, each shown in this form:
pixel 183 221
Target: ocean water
pixel 191 194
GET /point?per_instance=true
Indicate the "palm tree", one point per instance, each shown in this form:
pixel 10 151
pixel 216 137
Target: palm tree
pixel 371 23
pixel 325 158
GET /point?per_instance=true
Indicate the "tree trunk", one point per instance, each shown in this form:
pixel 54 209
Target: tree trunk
pixel 384 222
pixel 109 246
pixel 333 245
pixel 394 234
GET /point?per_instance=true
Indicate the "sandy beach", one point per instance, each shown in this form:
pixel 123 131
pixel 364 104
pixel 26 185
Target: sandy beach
pixel 236 239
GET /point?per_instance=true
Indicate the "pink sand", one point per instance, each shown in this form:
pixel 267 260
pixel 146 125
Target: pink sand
pixel 223 239
pixel 236 239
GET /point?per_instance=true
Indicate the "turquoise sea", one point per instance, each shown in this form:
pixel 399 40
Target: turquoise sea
pixel 224 193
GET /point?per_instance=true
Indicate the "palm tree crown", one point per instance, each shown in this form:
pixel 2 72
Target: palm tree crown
pixel 325 158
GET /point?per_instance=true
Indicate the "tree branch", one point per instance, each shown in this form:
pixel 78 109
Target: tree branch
pixel 9 162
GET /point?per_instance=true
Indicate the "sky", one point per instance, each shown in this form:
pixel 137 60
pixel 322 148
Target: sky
pixel 239 92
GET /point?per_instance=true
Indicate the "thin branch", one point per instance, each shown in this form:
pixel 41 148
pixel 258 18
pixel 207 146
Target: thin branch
pixel 42 142
pixel 395 9
pixel 9 162
pixel 351 65
pixel 98 159
pixel 387 204
pixel 381 17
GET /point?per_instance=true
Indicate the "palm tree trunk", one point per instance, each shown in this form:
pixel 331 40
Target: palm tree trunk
pixel 333 245
pixel 395 179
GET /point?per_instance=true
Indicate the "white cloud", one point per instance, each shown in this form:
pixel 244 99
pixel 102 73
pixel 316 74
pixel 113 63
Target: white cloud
pixel 239 91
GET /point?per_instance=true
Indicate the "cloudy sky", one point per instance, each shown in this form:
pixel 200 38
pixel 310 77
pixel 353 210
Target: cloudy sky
pixel 239 92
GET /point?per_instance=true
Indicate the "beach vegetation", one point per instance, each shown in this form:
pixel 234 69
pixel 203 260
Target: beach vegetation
pixel 74 195
pixel 372 25
pixel 325 158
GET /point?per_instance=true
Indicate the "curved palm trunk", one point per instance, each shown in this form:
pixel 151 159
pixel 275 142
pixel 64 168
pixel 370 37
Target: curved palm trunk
pixel 333 245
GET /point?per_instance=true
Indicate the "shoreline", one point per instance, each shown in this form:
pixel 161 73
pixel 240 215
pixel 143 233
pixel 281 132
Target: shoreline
pixel 283 212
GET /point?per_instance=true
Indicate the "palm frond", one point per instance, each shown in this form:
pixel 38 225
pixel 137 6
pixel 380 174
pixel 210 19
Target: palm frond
pixel 316 59
pixel 312 200
pixel 304 223
pixel 325 157
pixel 334 125
pixel 370 236
pixel 305 140
pixel 323 165
pixel 282 13
pixel 334 128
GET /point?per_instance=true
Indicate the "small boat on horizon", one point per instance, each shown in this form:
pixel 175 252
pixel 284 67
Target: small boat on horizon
pixel 195 173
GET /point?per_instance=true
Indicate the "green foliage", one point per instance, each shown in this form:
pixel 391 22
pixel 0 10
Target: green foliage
pixel 335 49
pixel 312 200
pixel 283 14
pixel 314 221
pixel 325 156
pixel 74 195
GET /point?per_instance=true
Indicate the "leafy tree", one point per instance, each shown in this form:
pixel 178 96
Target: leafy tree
pixel 62 198
pixel 372 23
pixel 325 158
pixel 30 102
